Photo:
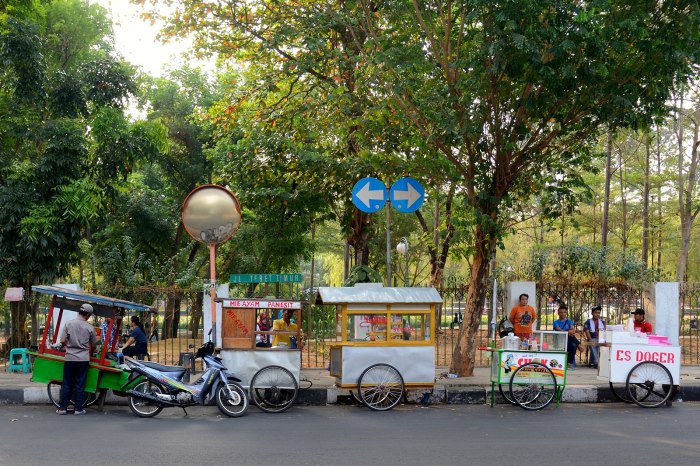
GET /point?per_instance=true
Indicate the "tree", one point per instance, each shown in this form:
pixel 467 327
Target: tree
pixel 511 90
pixel 687 165
pixel 56 176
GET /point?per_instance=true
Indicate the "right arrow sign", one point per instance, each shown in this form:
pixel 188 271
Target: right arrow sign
pixel 407 195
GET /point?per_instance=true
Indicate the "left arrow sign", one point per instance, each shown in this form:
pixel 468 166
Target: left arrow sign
pixel 369 195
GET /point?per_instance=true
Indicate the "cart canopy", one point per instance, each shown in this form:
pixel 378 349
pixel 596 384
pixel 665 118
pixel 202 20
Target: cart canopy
pixel 372 293
pixel 103 306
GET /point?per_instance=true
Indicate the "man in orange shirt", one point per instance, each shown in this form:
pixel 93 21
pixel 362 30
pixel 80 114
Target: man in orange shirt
pixel 522 316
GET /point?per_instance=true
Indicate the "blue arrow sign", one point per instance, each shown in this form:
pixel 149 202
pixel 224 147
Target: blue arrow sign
pixel 369 195
pixel 407 195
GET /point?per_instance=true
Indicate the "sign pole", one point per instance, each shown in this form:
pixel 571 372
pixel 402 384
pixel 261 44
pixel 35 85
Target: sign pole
pixel 388 243
pixel 212 275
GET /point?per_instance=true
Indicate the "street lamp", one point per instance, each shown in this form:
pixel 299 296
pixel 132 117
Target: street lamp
pixel 402 248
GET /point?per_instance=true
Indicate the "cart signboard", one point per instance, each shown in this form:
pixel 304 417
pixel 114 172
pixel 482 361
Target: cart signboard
pixel 623 358
pixel 509 361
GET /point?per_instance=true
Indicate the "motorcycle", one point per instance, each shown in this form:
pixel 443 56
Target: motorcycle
pixel 157 387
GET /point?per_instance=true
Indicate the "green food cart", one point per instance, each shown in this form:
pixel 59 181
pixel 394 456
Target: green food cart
pixel 104 373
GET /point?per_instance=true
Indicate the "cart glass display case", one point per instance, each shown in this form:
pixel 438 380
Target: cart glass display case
pixel 550 340
pixel 382 326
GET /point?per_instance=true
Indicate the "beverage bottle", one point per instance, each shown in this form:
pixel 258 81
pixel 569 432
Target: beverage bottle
pixel 120 358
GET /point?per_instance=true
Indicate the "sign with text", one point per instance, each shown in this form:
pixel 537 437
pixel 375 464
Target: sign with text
pixel 265 278
pixel 260 304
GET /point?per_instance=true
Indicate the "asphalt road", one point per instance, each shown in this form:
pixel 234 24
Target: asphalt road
pixel 571 434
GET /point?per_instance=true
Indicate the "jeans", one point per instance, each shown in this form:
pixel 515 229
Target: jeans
pixel 571 347
pixel 73 386
pixel 593 353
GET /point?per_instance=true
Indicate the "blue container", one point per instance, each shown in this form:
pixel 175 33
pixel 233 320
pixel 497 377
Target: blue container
pixel 293 342
pixel 120 358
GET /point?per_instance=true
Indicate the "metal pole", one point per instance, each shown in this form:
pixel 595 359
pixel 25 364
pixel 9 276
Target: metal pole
pixel 388 243
pixel 405 241
pixel 212 275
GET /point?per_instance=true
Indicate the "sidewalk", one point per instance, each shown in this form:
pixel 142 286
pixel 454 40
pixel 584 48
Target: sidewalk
pixel 582 387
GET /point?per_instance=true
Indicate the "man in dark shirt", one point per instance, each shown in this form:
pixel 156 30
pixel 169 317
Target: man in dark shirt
pixel 137 344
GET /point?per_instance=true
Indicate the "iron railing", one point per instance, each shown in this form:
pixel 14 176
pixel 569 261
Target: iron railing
pixel 318 322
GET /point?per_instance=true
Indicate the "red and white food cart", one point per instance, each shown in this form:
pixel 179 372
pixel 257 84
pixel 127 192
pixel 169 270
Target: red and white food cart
pixel 641 369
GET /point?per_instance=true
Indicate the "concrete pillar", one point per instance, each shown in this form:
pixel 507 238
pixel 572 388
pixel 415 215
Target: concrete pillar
pixel 662 310
pixel 221 292
pixel 515 289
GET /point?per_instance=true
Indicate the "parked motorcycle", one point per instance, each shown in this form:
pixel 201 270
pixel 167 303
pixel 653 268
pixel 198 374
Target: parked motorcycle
pixel 162 387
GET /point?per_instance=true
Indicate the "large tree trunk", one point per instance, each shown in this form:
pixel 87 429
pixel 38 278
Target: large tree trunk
pixel 606 198
pixel 464 355
pixel 686 186
pixel 645 213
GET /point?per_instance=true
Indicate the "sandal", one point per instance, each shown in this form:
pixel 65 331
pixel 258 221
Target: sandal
pixel 62 412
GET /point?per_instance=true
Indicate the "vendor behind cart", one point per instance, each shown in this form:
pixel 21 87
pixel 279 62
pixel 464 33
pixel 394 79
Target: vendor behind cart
pixel 640 324
pixel 137 344
pixel 285 324
pixel 78 337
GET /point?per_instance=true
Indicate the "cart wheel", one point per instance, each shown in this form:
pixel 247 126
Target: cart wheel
pixel 232 400
pixel 54 391
pixel 273 389
pixel 504 390
pixel 145 408
pixel 620 392
pixel 380 387
pixel 649 384
pixel 533 386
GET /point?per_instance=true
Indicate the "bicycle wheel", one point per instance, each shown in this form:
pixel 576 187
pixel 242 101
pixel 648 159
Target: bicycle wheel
pixel 232 400
pixel 380 387
pixel 504 390
pixel 273 389
pixel 649 384
pixel 145 408
pixel 533 386
pixel 53 389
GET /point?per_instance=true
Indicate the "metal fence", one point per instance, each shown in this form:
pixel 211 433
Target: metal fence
pixel 318 322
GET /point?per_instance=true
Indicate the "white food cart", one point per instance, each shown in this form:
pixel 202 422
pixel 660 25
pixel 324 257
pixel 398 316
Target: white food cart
pixel 271 374
pixel 640 369
pixel 384 340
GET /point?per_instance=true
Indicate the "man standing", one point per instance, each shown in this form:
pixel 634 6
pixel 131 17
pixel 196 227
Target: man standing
pixel 591 329
pixel 641 325
pixel 78 337
pixel 522 317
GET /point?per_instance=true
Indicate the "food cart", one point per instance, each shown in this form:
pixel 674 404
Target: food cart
pixel 103 372
pixel 384 340
pixel 271 374
pixel 531 378
pixel 641 369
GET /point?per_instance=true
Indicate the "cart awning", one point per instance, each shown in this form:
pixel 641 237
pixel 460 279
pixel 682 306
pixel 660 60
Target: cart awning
pixel 91 298
pixel 362 293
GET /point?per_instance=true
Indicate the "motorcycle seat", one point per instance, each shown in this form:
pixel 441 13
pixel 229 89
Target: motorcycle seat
pixel 162 368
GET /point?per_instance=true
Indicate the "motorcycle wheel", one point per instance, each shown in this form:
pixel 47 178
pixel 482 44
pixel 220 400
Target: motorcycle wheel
pixel 232 400
pixel 145 408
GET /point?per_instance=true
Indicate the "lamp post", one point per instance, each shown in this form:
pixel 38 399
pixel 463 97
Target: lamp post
pixel 402 248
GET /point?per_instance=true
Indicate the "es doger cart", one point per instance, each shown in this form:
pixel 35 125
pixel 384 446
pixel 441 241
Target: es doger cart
pixel 272 373
pixel 384 343
pixel 103 373
pixel 531 378
pixel 640 369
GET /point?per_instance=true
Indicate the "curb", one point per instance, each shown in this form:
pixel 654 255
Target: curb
pixel 448 394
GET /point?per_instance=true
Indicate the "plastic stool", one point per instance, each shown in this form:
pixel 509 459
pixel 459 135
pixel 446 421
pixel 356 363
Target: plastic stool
pixel 19 361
